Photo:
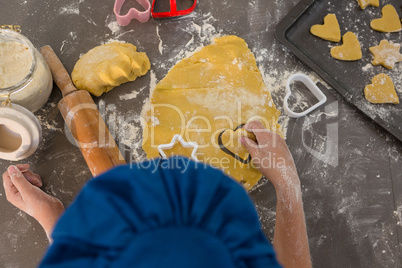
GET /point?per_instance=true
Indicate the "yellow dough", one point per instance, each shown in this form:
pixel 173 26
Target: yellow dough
pixel 107 66
pixel 206 97
pixel 350 50
pixel 381 90
pixel 386 54
pixel 365 3
pixel 329 30
pixel 389 22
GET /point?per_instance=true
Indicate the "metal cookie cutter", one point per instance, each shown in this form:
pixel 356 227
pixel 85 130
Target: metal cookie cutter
pixel 311 86
pixel 183 143
pixel 133 13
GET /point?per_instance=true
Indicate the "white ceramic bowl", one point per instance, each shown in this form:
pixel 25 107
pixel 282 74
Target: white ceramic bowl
pixel 20 133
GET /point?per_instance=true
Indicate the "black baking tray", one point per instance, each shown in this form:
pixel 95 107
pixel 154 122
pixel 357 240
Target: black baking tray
pixel 348 78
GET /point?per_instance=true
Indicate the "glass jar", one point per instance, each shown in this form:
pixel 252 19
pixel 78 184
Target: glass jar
pixel 24 74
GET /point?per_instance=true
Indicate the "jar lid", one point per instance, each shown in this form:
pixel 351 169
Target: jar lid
pixel 20 133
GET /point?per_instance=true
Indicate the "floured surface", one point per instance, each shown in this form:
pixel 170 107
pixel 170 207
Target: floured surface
pixel 216 89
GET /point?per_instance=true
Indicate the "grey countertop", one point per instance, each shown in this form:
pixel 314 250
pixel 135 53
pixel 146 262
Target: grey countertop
pixel 350 168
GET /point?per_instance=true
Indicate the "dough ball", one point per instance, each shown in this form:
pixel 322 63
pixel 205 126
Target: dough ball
pixel 107 66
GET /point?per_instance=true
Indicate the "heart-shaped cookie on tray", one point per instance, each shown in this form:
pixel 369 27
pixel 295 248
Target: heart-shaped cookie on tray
pixel 389 22
pixel 350 50
pixel 228 141
pixel 330 30
pixel 381 90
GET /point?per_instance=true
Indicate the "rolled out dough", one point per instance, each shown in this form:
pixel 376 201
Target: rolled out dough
pixel 210 93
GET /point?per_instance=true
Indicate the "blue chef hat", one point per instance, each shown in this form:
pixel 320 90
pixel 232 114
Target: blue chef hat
pixel 161 213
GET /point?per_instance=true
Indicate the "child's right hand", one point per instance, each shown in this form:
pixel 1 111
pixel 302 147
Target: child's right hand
pixel 270 155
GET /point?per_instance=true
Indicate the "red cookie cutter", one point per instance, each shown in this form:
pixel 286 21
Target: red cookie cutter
pixel 173 10
pixel 133 13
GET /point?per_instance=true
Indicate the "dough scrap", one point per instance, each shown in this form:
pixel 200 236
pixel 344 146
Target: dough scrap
pixel 350 50
pixel 386 54
pixel 215 90
pixel 107 66
pixel 365 3
pixel 381 90
pixel 330 30
pixel 389 22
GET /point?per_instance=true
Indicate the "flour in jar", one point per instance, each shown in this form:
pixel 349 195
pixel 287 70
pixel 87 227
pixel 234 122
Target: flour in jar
pixel 25 78
pixel 15 64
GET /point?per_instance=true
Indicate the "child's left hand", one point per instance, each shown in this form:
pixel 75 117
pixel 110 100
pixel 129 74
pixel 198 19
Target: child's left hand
pixel 22 190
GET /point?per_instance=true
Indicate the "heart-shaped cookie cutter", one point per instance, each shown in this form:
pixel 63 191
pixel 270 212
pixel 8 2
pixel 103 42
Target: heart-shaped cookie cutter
pixel 311 86
pixel 183 143
pixel 227 151
pixel 174 12
pixel 133 13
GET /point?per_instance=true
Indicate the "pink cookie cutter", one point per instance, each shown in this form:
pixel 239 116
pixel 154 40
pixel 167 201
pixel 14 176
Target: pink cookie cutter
pixel 133 13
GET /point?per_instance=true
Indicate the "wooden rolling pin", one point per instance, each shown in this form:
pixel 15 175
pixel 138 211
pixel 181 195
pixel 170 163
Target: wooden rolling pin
pixel 84 120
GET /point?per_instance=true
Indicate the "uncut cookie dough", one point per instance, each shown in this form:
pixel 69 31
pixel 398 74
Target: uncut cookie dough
pixel 208 94
pixel 350 50
pixel 330 30
pixel 107 66
pixel 381 90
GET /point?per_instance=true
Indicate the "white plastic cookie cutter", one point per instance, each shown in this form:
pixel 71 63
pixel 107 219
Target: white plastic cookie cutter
pixel 133 13
pixel 311 86
pixel 183 143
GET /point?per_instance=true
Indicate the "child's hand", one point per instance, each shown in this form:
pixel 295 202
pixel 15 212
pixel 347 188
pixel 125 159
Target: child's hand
pixel 22 190
pixel 270 155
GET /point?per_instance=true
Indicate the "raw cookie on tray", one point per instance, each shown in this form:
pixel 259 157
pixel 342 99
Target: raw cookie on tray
pixel 350 50
pixel 386 54
pixel 382 90
pixel 389 22
pixel 330 30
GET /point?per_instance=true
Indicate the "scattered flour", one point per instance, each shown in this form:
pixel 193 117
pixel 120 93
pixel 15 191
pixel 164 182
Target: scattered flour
pixel 160 46
pixel 72 8
pixel 398 215
pixel 152 83
pixel 116 31
pixel 131 95
pixel 114 27
pixel 367 67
